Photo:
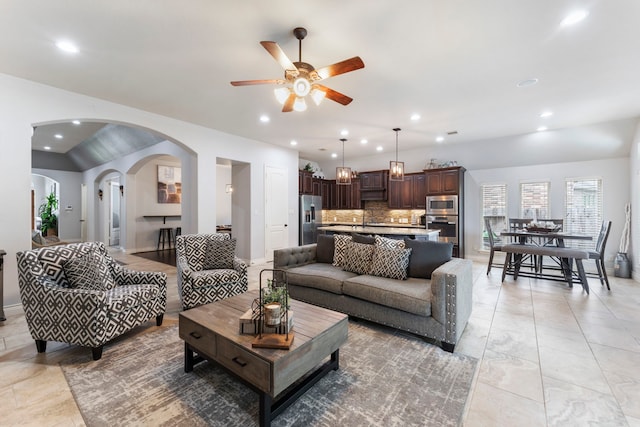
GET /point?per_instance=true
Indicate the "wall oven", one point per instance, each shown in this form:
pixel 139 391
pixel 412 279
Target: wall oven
pixel 442 205
pixel 448 226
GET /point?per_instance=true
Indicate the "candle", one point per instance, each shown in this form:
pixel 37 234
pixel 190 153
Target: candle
pixel 272 314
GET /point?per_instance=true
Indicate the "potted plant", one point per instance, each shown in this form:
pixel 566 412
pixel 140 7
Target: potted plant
pixel 47 215
pixel 275 302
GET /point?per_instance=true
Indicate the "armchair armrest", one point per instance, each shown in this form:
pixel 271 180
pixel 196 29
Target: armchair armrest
pixel 126 276
pixel 294 256
pixel 240 266
pixel 451 296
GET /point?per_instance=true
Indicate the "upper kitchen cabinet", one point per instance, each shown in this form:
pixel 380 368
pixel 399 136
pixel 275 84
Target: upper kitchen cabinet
pixel 373 185
pixel 444 181
pixel 401 193
pixel 317 186
pixel 305 182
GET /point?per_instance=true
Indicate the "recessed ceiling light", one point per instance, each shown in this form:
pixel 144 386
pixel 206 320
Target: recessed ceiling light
pixel 293 142
pixel 67 46
pixel 541 129
pixel 264 118
pixel 379 148
pixel 76 122
pixel 344 132
pixel 574 17
pixel 439 138
pixel 415 117
pixel 363 141
pixel 58 136
pixel 527 82
pixel 334 155
pixel 546 114
pixel 47 148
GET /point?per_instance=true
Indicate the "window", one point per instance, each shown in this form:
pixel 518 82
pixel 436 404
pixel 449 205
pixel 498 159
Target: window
pixel 494 207
pixel 583 208
pixel 534 200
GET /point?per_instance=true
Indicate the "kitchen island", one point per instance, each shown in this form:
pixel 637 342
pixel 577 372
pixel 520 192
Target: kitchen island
pixel 394 232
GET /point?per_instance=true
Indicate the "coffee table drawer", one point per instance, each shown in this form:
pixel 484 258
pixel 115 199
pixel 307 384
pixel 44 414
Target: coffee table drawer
pixel 251 368
pixel 199 337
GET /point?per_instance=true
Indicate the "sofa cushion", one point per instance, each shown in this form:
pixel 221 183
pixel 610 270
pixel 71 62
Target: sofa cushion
pixel 320 276
pixel 90 271
pixel 357 258
pixel 389 243
pixel 361 238
pixel 426 256
pixel 412 295
pixel 325 249
pixel 219 254
pixel 216 277
pixel 390 263
pixel 340 242
pixel 123 298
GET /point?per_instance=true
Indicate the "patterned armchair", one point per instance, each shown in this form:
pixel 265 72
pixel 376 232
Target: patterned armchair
pixel 208 269
pixel 78 294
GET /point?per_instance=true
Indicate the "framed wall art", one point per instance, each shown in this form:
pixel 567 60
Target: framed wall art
pixel 169 184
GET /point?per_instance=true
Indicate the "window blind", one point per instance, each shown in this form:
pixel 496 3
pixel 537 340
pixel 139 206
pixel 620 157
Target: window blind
pixel 534 200
pixel 494 207
pixel 583 209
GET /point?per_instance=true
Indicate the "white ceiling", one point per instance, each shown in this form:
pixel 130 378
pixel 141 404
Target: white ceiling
pixel 454 62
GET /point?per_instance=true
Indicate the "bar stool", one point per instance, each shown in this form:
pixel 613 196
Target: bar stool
pixel 165 236
pixel 178 233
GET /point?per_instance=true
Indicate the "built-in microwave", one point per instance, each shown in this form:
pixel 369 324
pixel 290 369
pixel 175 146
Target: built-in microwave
pixel 442 205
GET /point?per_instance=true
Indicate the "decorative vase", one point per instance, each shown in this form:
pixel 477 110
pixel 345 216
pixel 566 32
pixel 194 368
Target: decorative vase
pixel 621 265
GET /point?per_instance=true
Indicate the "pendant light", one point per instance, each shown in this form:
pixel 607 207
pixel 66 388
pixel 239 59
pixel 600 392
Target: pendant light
pixel 343 174
pixel 396 169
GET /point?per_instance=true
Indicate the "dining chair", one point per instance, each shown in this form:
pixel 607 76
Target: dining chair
pixel 598 254
pixel 493 245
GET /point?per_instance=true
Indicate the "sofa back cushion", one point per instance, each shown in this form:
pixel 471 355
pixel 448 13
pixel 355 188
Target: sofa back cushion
pixel 363 238
pixel 194 246
pixel 50 259
pixel 325 249
pixel 426 256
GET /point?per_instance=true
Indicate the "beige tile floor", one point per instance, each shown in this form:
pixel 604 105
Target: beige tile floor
pixel 549 355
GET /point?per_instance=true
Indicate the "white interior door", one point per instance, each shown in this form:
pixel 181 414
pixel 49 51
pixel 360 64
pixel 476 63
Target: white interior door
pixel 114 213
pixel 276 210
pixel 83 212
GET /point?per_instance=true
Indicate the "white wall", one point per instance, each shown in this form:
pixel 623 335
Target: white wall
pixel 615 186
pixel 24 104
pixel 223 199
pixel 634 164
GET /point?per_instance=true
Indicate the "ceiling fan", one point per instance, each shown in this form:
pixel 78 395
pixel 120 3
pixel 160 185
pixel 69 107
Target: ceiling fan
pixel 302 79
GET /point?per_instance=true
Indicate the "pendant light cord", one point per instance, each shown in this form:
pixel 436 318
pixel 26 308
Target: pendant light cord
pixel 396 130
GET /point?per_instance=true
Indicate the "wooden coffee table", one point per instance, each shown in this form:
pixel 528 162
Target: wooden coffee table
pixel 212 332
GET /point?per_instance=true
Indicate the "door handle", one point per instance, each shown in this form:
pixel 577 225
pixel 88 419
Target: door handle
pixel 286 225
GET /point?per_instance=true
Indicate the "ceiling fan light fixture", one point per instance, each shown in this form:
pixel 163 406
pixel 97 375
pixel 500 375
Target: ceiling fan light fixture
pixel 299 104
pixel 317 95
pixel 301 87
pixel 343 174
pixel 282 94
pixel 396 168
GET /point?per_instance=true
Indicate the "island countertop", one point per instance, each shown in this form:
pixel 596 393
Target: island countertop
pixel 398 231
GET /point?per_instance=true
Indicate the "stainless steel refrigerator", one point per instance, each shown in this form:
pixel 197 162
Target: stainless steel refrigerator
pixel 310 219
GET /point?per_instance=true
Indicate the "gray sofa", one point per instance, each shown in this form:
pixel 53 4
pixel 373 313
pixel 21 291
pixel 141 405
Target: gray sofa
pixel 436 308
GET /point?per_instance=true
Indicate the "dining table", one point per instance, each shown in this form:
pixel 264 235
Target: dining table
pixel 535 239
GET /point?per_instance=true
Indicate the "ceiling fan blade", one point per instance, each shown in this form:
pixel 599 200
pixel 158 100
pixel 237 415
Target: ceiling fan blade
pixel 279 55
pixel 342 67
pixel 258 82
pixel 334 95
pixel 288 104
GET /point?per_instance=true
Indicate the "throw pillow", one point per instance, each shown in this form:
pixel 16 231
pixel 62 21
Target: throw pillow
pixel 389 243
pixel 90 272
pixel 361 238
pixel 219 254
pixel 427 256
pixel 357 258
pixel 325 249
pixel 340 242
pixel 390 262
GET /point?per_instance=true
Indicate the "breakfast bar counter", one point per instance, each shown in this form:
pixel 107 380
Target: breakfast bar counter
pixel 411 232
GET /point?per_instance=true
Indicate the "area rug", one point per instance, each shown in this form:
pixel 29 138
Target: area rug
pixel 386 378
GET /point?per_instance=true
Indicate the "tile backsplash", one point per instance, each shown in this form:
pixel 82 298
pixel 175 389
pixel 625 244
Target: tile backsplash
pixel 374 212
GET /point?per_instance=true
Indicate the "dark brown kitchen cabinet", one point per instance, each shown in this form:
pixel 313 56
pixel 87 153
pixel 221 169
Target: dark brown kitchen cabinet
pixel 373 185
pixel 348 196
pixel 317 186
pixel 356 198
pixel 443 181
pixel 328 187
pixel 408 194
pixel 305 182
